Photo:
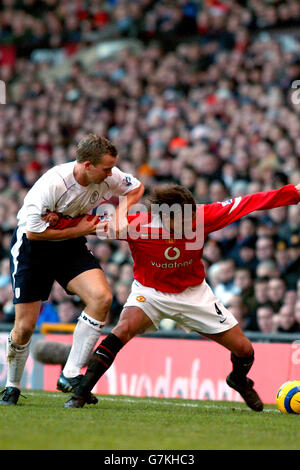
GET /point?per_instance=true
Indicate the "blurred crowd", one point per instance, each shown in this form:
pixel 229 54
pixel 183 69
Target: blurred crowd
pixel 31 24
pixel 216 114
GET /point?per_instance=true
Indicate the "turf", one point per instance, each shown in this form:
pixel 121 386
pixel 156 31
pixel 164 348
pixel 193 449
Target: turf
pixel 128 423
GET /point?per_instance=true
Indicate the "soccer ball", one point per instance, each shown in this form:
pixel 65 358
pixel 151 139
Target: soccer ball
pixel 288 397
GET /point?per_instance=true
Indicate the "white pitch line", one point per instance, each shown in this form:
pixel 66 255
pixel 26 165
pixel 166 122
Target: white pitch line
pixel 170 403
pixel 156 401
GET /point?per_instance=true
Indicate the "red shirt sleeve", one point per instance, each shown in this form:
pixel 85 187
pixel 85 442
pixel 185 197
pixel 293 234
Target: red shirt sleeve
pixel 65 222
pixel 220 214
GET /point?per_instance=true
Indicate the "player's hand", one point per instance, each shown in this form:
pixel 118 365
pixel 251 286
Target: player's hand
pixel 51 218
pixel 88 225
pixel 298 189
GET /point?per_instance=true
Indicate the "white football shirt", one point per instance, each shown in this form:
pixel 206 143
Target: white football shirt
pixel 57 190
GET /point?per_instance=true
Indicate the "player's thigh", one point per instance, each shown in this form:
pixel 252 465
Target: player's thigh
pixel 133 321
pixel 92 287
pixel 26 315
pixel 233 339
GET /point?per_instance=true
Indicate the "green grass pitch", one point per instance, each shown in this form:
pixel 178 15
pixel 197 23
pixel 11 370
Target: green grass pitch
pixel 128 423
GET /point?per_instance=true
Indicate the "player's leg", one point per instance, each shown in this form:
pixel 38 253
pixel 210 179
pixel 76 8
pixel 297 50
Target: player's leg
pixel 31 284
pixel 93 289
pixel 203 312
pixel 242 352
pixel 17 349
pixel 133 321
pixel 242 358
pixel 26 315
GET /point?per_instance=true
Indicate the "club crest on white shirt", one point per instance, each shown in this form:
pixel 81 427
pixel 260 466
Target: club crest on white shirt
pixel 94 197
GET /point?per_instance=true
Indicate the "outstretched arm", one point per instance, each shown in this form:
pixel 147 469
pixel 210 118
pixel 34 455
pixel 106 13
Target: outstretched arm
pixel 220 214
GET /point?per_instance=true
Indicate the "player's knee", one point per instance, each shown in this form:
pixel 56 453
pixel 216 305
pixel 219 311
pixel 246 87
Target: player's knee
pixel 106 301
pixel 244 348
pixel 101 300
pixel 123 331
pixel 23 331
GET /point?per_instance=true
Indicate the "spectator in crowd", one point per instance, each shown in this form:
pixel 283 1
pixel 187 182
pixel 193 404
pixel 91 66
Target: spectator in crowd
pixel 67 311
pixel 298 289
pixel 265 319
pixel 267 268
pixel 297 313
pixel 122 290
pixel 261 290
pixel 276 292
pixel 290 297
pixel 286 321
pixel 292 271
pixel 245 253
pixel 238 308
pixel 261 298
pixel 226 287
pixel 264 249
pixel 282 257
pixel 48 314
pixel 213 275
pixel 244 281
pixel 212 251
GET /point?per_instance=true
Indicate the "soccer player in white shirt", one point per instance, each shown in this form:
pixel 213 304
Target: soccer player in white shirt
pixel 40 255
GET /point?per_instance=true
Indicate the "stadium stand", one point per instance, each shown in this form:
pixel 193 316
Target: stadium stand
pixel 195 92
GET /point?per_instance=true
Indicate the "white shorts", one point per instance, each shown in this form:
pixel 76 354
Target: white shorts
pixel 195 309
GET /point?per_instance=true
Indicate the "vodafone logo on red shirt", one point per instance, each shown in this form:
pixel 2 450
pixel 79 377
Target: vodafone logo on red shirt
pixel 172 253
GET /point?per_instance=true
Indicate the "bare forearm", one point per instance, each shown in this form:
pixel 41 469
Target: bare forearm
pixel 127 202
pixel 52 234
pixel 131 198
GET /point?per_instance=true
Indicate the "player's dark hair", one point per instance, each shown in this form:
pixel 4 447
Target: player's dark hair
pixel 171 194
pixel 93 147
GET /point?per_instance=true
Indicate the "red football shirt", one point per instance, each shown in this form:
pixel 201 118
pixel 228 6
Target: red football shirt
pixel 172 264
pixel 166 264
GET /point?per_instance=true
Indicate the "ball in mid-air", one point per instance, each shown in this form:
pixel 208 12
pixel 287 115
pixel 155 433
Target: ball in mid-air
pixel 288 397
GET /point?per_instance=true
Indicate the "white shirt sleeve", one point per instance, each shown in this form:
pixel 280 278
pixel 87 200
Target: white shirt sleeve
pixel 40 198
pixel 121 183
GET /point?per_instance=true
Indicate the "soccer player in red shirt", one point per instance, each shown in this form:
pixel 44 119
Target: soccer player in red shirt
pixel 169 282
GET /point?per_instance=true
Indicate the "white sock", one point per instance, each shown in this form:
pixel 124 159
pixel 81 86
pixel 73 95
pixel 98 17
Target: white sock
pixel 86 335
pixel 16 356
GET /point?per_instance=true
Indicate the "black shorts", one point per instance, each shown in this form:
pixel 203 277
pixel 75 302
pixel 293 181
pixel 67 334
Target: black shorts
pixel 35 265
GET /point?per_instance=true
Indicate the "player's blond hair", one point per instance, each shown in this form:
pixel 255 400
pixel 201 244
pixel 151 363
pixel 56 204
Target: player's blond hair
pixel 93 147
